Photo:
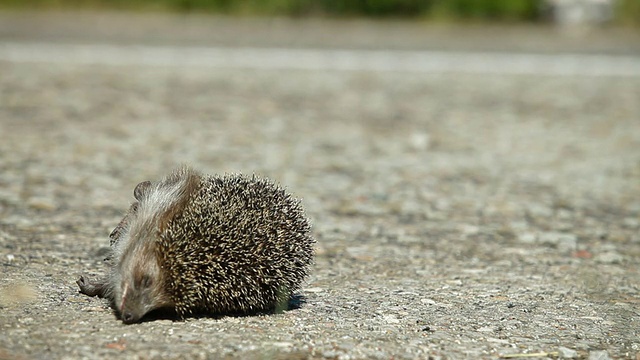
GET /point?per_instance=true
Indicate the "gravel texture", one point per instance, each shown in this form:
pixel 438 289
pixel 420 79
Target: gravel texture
pixel 457 216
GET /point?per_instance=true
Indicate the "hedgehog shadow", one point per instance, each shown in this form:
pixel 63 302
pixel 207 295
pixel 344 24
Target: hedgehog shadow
pixel 295 302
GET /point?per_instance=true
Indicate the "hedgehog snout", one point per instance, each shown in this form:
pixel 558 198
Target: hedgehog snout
pixel 139 296
pixel 132 307
pixel 129 318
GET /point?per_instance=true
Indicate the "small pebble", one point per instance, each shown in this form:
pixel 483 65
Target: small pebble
pixel 631 223
pixel 562 241
pixel 527 238
pixel 391 319
pixel 428 301
pixel 419 141
pixel 609 257
pixel 282 344
pixel 599 355
pixel 567 353
pixel 41 204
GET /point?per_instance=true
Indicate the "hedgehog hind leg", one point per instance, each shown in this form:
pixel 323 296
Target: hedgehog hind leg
pixel 296 301
pixel 92 287
pixel 287 300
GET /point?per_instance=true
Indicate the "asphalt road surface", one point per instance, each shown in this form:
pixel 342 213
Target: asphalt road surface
pixel 475 191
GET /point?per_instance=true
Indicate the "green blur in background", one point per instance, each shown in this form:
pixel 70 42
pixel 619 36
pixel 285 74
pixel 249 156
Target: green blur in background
pixel 625 12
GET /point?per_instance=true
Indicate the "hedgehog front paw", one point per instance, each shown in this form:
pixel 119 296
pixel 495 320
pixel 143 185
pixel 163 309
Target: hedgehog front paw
pixel 88 287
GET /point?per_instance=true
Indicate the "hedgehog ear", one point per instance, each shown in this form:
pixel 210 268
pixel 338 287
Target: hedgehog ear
pixel 141 189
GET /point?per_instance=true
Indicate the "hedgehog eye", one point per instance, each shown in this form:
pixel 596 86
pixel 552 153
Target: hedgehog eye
pixel 146 281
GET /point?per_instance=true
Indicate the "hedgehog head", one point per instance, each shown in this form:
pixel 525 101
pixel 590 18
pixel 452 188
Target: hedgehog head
pixel 137 283
pixel 138 287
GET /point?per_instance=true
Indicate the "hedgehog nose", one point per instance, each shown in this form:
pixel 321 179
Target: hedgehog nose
pixel 127 317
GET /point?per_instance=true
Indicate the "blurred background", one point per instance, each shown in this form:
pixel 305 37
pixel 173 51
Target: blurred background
pixel 562 11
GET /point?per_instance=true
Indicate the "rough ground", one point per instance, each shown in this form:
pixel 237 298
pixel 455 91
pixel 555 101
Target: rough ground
pixel 457 216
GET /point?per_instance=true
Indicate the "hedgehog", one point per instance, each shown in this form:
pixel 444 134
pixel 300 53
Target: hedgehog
pixel 196 244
